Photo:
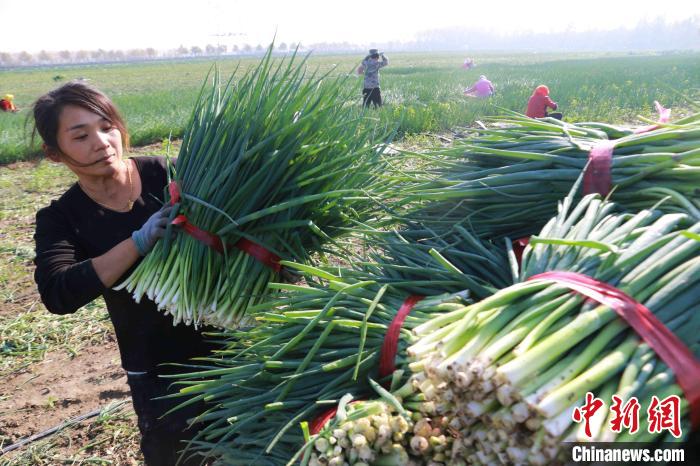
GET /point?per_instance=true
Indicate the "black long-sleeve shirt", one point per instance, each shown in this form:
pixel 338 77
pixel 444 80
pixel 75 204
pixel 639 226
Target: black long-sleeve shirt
pixel 74 229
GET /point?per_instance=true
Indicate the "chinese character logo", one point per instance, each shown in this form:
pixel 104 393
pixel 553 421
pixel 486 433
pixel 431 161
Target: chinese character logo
pixel 665 415
pixel 625 416
pixel 585 412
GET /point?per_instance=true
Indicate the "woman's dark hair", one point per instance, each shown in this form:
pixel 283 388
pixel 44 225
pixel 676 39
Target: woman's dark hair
pixel 47 111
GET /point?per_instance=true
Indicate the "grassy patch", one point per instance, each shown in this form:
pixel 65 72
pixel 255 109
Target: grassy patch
pixel 28 336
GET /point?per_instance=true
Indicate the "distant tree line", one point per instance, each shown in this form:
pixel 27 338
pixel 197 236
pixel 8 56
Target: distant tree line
pixel 45 57
pixel 653 34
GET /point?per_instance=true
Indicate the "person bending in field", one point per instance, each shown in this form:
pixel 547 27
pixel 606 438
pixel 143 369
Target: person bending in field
pixel 93 237
pixel 481 89
pixel 371 92
pixel 539 102
pixel 7 104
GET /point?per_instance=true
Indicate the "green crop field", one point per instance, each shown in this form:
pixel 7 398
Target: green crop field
pixel 423 93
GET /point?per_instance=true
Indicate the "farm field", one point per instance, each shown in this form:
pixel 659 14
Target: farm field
pixel 55 368
pixel 422 92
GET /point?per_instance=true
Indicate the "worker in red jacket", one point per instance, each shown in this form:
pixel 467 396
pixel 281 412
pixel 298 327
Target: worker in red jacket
pixel 7 105
pixel 539 102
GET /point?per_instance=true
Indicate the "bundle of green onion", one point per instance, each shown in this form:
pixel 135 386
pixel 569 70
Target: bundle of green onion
pixel 312 345
pixel 511 369
pixel 273 159
pixel 507 180
pixel 379 432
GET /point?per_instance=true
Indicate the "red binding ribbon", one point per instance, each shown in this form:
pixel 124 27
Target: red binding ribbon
pixel 386 358
pixel 204 237
pixel 263 255
pixel 319 421
pixel 597 177
pixel 667 346
pixel 391 339
pixel 174 191
pixel 255 250
pixel 664 117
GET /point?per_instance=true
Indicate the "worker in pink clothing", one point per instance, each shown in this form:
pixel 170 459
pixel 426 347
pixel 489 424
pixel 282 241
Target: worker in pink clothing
pixel 539 102
pixel 482 88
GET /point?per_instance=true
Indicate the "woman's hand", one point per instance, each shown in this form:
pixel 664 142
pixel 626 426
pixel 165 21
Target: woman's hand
pixel 115 262
pixel 154 228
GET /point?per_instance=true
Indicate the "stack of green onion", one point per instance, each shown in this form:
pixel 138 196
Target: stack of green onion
pixel 511 368
pixel 315 343
pixel 274 157
pixel 506 180
pixel 312 345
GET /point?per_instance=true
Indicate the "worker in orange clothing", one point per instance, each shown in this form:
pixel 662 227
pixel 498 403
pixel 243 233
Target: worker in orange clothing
pixel 7 104
pixel 539 102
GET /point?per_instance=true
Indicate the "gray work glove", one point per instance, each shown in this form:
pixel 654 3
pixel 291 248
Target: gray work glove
pixel 145 237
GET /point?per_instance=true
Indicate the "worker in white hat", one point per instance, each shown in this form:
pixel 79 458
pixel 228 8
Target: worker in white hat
pixel 370 66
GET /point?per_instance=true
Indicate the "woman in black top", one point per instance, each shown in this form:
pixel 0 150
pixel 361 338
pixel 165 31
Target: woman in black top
pixel 92 238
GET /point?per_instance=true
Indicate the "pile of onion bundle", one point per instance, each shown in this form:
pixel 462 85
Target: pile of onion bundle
pixel 311 345
pixel 272 165
pixel 380 432
pixel 368 432
pixel 515 365
pixel 506 181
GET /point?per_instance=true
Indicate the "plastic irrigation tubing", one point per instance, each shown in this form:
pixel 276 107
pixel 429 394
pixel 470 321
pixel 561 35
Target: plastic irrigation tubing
pixel 52 430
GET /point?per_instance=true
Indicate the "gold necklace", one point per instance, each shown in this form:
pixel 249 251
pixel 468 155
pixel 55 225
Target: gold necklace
pixel 129 202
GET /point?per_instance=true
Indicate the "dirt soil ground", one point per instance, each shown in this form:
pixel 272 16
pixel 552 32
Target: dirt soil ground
pixel 76 385
pixel 61 388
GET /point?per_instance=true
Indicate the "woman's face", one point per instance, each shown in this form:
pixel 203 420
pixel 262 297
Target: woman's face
pixel 89 143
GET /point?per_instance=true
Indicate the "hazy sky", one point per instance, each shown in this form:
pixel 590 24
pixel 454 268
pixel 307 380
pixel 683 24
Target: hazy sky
pixel 52 25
